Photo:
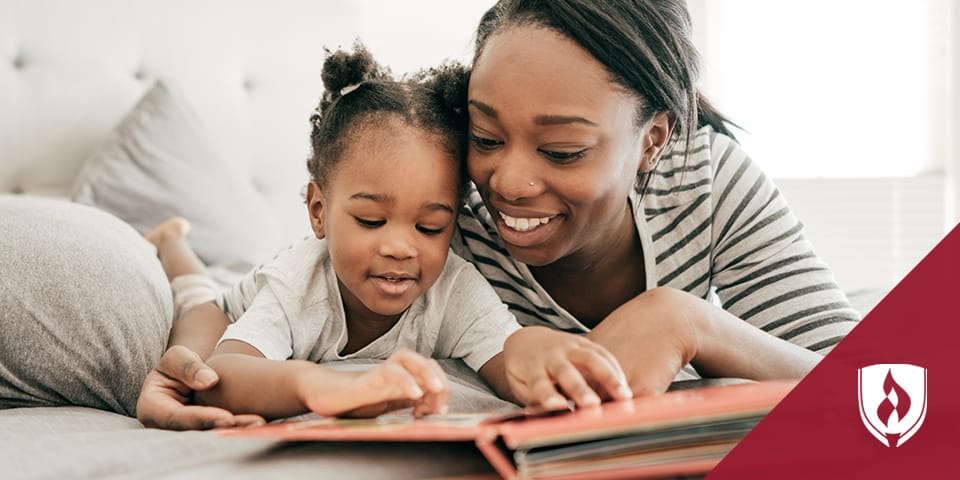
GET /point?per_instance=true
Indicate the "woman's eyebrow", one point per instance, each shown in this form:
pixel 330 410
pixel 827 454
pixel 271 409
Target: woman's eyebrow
pixel 561 120
pixel 539 119
pixel 484 108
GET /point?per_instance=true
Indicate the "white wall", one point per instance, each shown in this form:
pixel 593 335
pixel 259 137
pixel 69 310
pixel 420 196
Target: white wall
pixel 408 36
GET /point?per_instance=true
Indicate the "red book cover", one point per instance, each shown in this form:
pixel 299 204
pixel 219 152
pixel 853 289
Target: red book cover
pixel 678 433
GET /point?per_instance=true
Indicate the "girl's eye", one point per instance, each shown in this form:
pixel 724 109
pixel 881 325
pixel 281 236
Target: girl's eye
pixel 429 231
pixel 563 157
pixel 370 223
pixel 484 143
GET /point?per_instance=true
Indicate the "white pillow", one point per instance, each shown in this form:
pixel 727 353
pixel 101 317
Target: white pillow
pixel 160 162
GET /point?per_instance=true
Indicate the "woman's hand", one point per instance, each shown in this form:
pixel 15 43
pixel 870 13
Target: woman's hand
pixel 405 379
pixel 545 367
pixel 167 389
pixel 658 332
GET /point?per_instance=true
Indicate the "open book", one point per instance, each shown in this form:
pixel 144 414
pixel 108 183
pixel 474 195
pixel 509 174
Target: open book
pixel 681 432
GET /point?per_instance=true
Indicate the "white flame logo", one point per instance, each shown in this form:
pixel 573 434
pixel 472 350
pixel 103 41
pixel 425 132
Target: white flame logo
pixel 893 401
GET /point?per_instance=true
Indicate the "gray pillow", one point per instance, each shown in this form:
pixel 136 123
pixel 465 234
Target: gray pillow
pixel 85 308
pixel 160 162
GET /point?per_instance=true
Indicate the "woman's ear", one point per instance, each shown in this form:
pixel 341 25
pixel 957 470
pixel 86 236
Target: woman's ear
pixel 656 134
pixel 315 204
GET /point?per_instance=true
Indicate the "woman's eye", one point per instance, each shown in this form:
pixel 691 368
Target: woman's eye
pixel 370 223
pixel 429 231
pixel 485 143
pixel 563 157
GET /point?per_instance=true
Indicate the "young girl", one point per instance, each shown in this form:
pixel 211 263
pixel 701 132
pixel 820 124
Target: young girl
pixel 378 280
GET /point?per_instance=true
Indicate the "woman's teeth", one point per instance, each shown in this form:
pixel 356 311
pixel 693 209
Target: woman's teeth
pixel 523 224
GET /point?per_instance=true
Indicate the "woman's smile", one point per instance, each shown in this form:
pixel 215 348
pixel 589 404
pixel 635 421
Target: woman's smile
pixel 527 230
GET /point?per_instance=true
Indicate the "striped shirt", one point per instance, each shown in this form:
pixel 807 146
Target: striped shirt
pixel 711 224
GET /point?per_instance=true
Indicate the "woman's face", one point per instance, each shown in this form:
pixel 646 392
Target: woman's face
pixel 554 146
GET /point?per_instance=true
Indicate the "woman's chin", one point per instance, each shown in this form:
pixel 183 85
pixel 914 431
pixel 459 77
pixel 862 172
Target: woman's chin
pixel 536 256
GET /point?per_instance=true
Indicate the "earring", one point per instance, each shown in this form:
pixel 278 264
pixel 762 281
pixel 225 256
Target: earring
pixel 531 184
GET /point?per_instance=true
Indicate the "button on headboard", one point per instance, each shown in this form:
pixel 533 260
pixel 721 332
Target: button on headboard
pixel 70 71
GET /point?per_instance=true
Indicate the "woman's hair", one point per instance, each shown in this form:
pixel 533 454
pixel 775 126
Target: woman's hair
pixel 644 44
pixel 359 94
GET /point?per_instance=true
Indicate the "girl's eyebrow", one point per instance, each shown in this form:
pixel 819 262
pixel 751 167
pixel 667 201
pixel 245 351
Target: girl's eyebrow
pixel 544 120
pixel 437 206
pixel 381 198
pixel 374 197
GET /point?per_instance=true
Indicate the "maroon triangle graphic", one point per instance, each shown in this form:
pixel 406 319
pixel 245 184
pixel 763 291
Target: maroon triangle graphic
pixel 817 430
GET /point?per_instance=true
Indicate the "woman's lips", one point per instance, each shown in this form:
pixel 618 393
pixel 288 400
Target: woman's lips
pixel 525 224
pixel 527 231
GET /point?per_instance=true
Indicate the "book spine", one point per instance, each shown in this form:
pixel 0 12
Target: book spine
pixel 496 454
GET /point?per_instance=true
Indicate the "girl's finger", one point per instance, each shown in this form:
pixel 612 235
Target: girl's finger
pixel 602 370
pixel 398 383
pixel 426 371
pixel 541 391
pixel 573 384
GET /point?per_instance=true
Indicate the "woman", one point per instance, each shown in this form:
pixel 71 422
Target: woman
pixel 611 199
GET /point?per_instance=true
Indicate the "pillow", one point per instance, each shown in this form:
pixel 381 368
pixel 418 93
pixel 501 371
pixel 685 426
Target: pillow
pixel 160 162
pixel 85 307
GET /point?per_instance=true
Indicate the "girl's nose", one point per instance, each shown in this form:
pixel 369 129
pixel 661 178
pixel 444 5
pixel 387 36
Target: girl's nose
pixel 398 245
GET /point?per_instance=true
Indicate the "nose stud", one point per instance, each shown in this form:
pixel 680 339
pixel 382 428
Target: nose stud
pixel 531 184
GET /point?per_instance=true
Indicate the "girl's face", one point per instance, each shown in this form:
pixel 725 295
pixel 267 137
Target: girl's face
pixel 388 213
pixel 554 146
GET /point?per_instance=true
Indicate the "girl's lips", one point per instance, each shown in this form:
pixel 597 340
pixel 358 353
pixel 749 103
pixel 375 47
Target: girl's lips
pixel 531 237
pixel 391 286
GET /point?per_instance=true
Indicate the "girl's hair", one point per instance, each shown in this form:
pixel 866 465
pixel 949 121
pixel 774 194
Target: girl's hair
pixel 644 44
pixel 359 94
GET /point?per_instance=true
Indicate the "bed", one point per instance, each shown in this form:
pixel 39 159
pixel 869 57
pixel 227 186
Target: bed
pixel 115 114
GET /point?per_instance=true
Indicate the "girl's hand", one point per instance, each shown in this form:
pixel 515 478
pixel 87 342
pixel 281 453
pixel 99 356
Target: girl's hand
pixel 167 389
pixel 405 379
pixel 653 336
pixel 538 360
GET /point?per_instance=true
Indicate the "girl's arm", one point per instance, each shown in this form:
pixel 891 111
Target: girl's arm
pixel 251 384
pixel 166 390
pixel 537 360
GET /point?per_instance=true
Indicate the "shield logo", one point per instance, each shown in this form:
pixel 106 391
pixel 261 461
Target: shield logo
pixel 893 401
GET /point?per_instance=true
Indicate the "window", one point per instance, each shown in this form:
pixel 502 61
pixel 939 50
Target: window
pixel 826 88
pixel 850 108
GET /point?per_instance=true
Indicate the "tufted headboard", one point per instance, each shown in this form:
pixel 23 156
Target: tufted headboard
pixel 71 70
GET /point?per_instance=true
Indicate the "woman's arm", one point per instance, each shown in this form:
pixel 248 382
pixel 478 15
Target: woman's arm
pixel 669 328
pixel 780 301
pixel 763 268
pixel 252 384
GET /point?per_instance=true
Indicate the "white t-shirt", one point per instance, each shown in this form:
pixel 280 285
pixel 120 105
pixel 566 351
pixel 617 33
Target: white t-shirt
pixel 291 307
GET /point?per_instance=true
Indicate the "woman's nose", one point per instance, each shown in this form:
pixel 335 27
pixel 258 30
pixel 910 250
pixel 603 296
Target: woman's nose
pixel 514 178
